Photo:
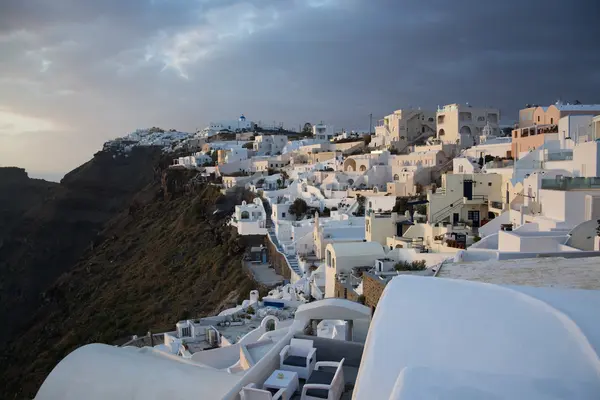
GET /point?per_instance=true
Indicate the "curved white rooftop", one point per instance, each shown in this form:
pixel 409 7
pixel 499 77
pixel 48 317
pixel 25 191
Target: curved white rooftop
pixel 332 308
pixel 352 249
pixel 466 340
pixel 99 371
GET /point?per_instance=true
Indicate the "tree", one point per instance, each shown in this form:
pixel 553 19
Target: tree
pixel 410 266
pixel 298 208
pixel 360 211
pixel 421 209
pixel 307 128
pixel 401 205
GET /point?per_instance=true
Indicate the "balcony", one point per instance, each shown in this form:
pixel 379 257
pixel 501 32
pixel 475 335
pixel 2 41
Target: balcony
pixel 564 155
pixel 465 117
pixel 499 164
pixel 495 205
pixel 476 199
pixel 567 183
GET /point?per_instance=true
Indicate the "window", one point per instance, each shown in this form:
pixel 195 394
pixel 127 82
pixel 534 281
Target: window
pixel 538 118
pixel 551 120
pixel 489 183
pixel 283 214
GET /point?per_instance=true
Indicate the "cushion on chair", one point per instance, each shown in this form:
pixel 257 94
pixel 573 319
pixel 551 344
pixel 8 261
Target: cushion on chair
pixel 295 361
pixel 322 377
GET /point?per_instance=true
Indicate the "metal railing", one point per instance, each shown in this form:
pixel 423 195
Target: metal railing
pixel 446 211
pixel 496 204
pixel 568 183
pixel 559 156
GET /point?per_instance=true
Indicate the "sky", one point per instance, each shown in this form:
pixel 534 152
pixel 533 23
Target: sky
pixel 75 73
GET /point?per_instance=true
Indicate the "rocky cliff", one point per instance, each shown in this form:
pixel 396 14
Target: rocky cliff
pixel 121 246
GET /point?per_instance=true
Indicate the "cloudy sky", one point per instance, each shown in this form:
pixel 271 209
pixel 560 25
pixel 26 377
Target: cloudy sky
pixel 74 73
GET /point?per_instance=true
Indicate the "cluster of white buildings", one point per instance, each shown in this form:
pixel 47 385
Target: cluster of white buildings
pixel 368 230
pixel 431 189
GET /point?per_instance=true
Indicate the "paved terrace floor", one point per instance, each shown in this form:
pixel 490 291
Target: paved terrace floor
pixel 264 274
pixel 574 273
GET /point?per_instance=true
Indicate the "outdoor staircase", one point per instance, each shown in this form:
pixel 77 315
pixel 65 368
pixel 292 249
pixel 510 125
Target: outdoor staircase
pixel 446 211
pixel 292 260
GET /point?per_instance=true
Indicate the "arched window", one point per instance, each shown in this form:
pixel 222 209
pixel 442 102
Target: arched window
pixel 363 168
pixel 396 177
pixel 245 215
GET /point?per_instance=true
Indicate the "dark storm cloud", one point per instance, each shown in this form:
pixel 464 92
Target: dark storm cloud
pixel 100 68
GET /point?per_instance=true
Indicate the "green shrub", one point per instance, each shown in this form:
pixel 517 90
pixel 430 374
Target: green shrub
pixel 410 266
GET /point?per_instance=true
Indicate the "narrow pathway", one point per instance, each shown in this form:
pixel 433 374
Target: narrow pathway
pixel 291 259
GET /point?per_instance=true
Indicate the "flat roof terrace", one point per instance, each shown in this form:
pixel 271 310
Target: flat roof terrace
pixel 574 273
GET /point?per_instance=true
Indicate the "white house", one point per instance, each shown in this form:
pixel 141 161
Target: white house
pixel 322 132
pixel 269 144
pixel 342 257
pixel 250 219
pixel 227 125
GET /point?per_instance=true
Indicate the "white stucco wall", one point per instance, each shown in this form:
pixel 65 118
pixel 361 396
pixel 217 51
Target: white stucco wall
pixel 525 243
pixel 586 159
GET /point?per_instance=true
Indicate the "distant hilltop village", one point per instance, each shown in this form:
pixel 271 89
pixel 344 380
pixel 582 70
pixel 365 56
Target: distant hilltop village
pixel 354 231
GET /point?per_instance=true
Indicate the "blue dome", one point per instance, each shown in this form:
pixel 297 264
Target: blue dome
pixel 242 118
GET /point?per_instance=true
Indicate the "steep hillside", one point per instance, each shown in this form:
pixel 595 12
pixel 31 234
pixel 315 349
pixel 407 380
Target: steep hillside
pixel 170 257
pixel 52 234
pixel 19 193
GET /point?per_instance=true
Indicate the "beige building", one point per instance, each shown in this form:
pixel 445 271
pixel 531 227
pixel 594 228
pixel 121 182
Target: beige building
pixel 463 124
pixel 317 157
pixel 380 226
pixel 342 257
pixel 399 129
pixel 465 197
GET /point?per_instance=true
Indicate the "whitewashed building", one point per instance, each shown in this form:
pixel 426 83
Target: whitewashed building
pixel 250 219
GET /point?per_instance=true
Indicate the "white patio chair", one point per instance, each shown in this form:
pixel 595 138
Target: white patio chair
pixel 325 385
pixel 251 392
pixel 299 356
